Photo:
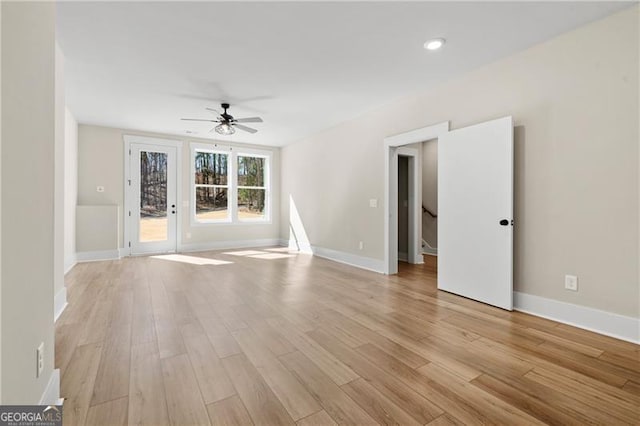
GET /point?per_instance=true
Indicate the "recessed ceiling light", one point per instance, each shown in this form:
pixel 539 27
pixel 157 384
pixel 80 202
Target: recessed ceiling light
pixel 434 44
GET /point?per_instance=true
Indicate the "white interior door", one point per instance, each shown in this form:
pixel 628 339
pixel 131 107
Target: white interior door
pixel 153 210
pixel 475 212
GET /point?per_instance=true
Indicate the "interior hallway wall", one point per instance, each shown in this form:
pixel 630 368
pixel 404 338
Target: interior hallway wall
pixel 70 188
pixel 59 180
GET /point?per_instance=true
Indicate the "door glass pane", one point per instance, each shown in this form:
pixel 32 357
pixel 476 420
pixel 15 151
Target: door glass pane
pixel 211 203
pixel 251 203
pixel 153 196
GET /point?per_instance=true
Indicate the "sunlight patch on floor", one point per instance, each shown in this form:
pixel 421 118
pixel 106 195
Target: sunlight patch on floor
pixel 193 260
pixel 271 256
pixel 245 252
pixel 283 250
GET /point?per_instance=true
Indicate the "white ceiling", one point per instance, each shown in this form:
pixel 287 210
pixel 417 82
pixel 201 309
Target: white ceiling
pixel 303 67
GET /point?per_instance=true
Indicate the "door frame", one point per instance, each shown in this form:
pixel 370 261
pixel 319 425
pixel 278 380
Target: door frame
pixel 394 145
pixel 128 198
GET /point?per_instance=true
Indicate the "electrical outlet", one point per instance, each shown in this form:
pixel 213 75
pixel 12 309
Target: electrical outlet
pixel 373 202
pixel 360 245
pixel 100 188
pixel 571 282
pixel 40 359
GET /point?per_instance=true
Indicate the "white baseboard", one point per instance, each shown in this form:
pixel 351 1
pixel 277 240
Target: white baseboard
pixel 70 263
pixel 59 303
pixel 602 322
pixel 297 245
pixel 403 256
pixel 367 263
pixel 89 256
pixel 362 262
pixel 51 394
pixel 228 245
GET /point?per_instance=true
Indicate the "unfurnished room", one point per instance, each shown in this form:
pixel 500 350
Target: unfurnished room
pixel 319 213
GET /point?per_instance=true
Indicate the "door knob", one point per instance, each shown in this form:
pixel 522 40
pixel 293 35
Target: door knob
pixel 504 222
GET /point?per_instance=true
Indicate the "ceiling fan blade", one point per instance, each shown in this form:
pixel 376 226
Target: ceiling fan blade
pixel 198 119
pixel 245 128
pixel 249 120
pixel 211 109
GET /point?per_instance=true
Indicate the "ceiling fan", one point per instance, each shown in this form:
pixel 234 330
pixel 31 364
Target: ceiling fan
pixel 227 123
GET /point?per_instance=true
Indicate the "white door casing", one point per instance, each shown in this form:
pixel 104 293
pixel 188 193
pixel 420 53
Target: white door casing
pixel 394 145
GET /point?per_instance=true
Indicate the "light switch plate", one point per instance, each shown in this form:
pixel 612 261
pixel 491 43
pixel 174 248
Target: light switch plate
pixel 373 202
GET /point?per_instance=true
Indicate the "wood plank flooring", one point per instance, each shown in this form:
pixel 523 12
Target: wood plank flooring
pixel 278 338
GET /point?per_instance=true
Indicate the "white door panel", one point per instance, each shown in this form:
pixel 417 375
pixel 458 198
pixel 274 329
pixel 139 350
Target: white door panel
pixel 154 201
pixel 475 192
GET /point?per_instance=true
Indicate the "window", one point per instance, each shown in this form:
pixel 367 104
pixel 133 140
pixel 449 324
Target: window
pixel 211 189
pixel 252 188
pixel 229 186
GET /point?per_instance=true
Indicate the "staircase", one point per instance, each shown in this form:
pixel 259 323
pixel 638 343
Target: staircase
pixel 427 249
pixel 428 219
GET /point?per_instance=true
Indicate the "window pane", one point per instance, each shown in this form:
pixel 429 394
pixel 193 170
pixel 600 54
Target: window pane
pixel 153 196
pixel 251 171
pixel 211 203
pixel 211 168
pixel 251 203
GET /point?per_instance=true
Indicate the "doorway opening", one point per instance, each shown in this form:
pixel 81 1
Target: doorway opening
pixel 396 147
pixel 424 196
pixel 403 208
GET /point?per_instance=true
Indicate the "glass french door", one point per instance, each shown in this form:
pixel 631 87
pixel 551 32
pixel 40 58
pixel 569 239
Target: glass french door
pixel 153 214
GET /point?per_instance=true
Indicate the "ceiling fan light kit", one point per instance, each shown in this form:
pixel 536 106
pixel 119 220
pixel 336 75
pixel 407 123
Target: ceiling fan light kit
pixel 225 129
pixel 228 124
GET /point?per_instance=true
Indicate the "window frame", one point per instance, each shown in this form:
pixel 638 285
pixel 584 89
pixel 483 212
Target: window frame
pixel 255 153
pixel 232 184
pixel 210 149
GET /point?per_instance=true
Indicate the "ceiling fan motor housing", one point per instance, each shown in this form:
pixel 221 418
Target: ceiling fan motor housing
pixel 227 117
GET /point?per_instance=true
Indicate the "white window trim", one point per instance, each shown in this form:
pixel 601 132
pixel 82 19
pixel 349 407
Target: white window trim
pixel 232 184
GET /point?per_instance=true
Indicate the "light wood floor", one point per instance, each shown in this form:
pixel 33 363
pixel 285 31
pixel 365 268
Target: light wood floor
pixel 275 338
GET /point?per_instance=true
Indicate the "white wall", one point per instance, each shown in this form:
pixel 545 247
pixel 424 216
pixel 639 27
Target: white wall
pixel 575 104
pixel 70 188
pixel 430 191
pixel 28 136
pixel 100 162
